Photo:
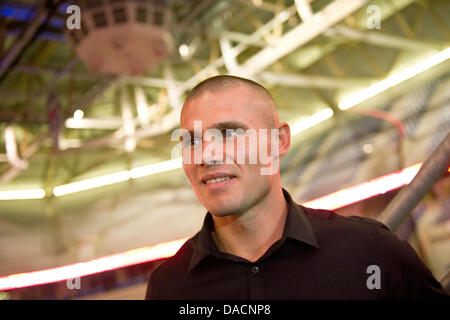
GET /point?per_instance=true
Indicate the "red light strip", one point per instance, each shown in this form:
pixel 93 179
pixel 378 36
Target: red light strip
pixel 115 261
pixel 331 201
pixel 366 189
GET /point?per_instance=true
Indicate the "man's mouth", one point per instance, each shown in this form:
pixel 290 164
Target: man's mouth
pixel 216 180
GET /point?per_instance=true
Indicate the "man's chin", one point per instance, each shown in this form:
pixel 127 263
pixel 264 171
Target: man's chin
pixel 221 214
pixel 224 210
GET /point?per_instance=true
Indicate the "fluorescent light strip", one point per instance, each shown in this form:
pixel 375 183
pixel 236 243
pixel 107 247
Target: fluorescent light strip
pixel 395 79
pixel 311 121
pixel 22 194
pixel 332 201
pixel 91 183
pixel 156 168
pixel 115 261
pixel 117 177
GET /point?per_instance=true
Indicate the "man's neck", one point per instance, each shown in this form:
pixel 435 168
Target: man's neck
pixel 250 234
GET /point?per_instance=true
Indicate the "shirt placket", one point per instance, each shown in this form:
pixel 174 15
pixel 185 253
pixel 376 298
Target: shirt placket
pixel 255 281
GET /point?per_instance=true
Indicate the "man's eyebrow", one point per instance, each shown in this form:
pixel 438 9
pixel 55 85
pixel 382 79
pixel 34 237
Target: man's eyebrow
pixel 230 125
pixel 223 126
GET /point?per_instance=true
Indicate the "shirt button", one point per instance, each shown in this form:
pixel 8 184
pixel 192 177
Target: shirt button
pixel 255 269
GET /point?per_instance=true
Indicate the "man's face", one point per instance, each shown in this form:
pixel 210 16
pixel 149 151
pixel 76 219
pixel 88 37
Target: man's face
pixel 234 108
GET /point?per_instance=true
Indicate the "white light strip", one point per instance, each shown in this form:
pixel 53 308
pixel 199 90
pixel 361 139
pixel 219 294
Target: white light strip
pixel 313 120
pixel 395 79
pixel 22 194
pixel 155 168
pixel 115 261
pixel 94 182
pixel 117 177
pixel 91 183
pixel 86 123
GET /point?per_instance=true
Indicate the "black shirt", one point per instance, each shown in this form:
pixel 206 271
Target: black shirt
pixel 321 255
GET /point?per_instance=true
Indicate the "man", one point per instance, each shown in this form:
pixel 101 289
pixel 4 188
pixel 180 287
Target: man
pixel 256 242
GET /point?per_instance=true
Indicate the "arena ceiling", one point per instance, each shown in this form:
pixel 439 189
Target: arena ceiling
pixel 311 55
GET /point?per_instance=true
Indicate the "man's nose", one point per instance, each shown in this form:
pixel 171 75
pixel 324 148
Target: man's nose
pixel 212 153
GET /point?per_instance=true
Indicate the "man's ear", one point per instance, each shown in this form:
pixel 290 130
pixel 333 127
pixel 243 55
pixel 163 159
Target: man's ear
pixel 284 135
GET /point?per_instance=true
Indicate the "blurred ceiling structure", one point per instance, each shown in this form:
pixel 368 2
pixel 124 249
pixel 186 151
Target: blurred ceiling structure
pixel 64 121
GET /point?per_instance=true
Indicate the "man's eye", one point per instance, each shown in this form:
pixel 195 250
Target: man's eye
pixel 194 141
pixel 188 142
pixel 230 133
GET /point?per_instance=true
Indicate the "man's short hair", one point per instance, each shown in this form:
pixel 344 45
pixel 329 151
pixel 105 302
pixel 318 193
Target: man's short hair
pixel 224 82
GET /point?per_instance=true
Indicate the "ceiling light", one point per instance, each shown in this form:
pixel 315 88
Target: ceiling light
pixel 96 182
pixel 86 123
pixel 117 177
pixel 78 114
pixel 311 121
pixel 394 80
pixel 184 50
pixel 155 168
pixel 91 183
pixel 368 148
pixel 130 144
pixel 22 194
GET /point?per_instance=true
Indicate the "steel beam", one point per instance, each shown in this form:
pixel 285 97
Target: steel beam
pixel 241 38
pixel 43 13
pixel 304 10
pixel 141 81
pixel 408 198
pixel 310 81
pixel 306 31
pixel 254 38
pixel 384 39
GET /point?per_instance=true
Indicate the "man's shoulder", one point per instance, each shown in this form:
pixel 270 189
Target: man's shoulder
pixel 404 273
pixel 353 232
pixel 331 220
pixel 361 232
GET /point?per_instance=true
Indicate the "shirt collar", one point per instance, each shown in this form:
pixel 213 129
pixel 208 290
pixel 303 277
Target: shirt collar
pixel 297 224
pixel 297 227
